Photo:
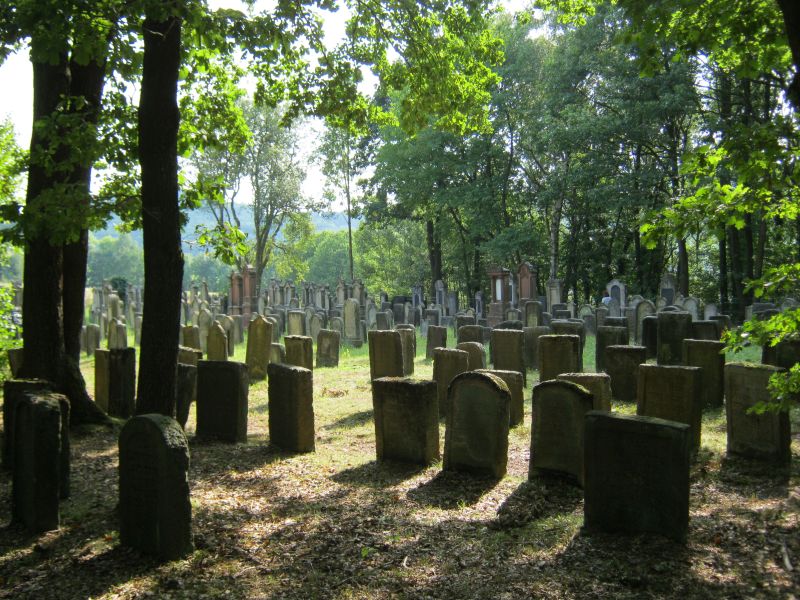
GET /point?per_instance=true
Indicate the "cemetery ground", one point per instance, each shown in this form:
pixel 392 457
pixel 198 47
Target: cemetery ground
pixel 337 524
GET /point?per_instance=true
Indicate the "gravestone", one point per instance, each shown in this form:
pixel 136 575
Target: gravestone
pixel 295 322
pixel 92 338
pixel 618 291
pixel 204 320
pixel 432 316
pixel 476 433
pixel 259 339
pixel 600 315
pixel 667 288
pixel 463 321
pixel 185 391
pixel 507 351
pixel 622 365
pixel 513 379
pixel 530 344
pixel 316 325
pixel 614 309
pixel 598 384
pixel 117 335
pixel 277 353
pixel 337 324
pixel 228 328
pixel 710 310
pixel 408 340
pixel 558 354
pixel 766 436
pixel 470 333
pixel 291 408
pixel 222 390
pixel 216 343
pixel 649 337
pixel 14 392
pixel 710 357
pixel 477 355
pixel 673 328
pixel 328 348
pixel 705 330
pixel 352 323
pixel 692 306
pixel 533 313
pixel 447 364
pixel 569 327
pixel 637 475
pixel 115 381
pixel 191 336
pixel 385 354
pixel 607 336
pixel 559 409
pixel 155 511
pixel 645 308
pixel 299 351
pixel 437 338
pixel 672 393
pixel 406 420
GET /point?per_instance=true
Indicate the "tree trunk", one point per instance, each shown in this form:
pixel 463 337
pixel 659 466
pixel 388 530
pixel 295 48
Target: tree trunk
pixel 434 255
pixel 737 274
pixel 163 259
pixel 791 20
pixel 723 274
pixel 683 268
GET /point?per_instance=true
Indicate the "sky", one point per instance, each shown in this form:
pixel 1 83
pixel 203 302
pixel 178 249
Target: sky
pixel 16 88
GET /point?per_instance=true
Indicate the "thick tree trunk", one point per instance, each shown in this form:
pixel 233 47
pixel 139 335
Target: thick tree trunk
pixel 163 259
pixel 434 255
pixel 791 20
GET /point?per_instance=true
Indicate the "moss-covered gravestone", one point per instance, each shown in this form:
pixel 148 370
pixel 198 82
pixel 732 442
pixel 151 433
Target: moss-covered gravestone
pixel 115 381
pixel 530 344
pixel 299 351
pixel 673 328
pixel 513 379
pixel 607 336
pixel 437 338
pixel 598 384
pixel 222 392
pixel 408 341
pixel 477 354
pixel 507 354
pixel 385 354
pixel 469 333
pixel 14 391
pixel 328 342
pixel 710 357
pixel 406 420
pixel 672 393
pixel 291 407
pixel 622 365
pixel 154 508
pixel 558 354
pixel 259 339
pixel 447 363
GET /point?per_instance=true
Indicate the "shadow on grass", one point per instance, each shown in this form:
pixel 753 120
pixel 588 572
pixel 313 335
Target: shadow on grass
pixel 769 481
pixel 452 489
pixel 540 498
pixel 378 474
pixel 350 421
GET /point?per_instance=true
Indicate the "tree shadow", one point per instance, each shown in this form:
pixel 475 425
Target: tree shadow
pixel 452 489
pixel 537 499
pixel 770 481
pixel 378 474
pixel 350 421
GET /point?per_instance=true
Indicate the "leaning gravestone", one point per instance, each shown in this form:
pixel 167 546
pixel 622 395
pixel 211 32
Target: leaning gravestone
pixel 598 384
pixel 673 328
pixel 447 364
pixel 259 338
pixel 710 357
pixel 291 408
pixel 38 461
pixel 115 381
pixel 530 344
pixel 406 420
pixel 765 436
pixel 385 354
pixel 328 348
pixel 14 391
pixel 672 393
pixel 637 475
pixel 154 507
pixel 216 343
pixel 513 379
pixel 476 434
pixel 477 355
pixel 558 354
pixel 437 338
pixel 559 410
pixel 607 336
pixel 408 342
pixel 299 351
pixel 622 365
pixel 222 390
pixel 507 351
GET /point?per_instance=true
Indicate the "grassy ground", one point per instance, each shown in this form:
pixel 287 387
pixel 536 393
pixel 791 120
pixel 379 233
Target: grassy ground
pixel 337 524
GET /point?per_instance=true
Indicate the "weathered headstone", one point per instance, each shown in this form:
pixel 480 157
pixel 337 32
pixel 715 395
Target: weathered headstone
pixel 115 381
pixel 352 323
pixel 259 339
pixel 476 434
pixel 408 342
pixel 15 360
pixel 533 313
pixel 507 352
pixel 470 333
pixel 569 327
pixel 513 379
pixel 622 365
pixel 673 328
pixel 710 357
pixel 637 475
pixel 191 336
pixel 558 354
pixel 222 390
pixel 765 436
pixel 598 384
pixel 447 364
pixel 216 343
pixel 704 330
pixel 299 351
pixel 437 338
pixel 277 353
pixel 385 354
pixel 477 354
pixel 559 410
pixel 14 391
pixel 672 393
pixel 645 308
pixel 185 391
pixel 92 338
pixel 406 420
pixel 154 506
pixel 649 337
pixel 328 348
pixel 291 408
pixel 295 322
pixel 530 344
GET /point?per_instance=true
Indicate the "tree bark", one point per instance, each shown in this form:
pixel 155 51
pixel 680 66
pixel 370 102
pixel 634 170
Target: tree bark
pixel 163 258
pixel 683 268
pixel 723 274
pixel 791 20
pixel 434 255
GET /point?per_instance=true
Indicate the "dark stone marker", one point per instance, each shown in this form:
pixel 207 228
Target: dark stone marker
pixel 650 335
pixel 277 353
pixel 14 391
pixel 557 425
pixel 705 330
pixel 328 348
pixel 154 507
pixel 510 324
pixel 470 333
pixel 38 461
pixel 637 475
pixel 222 390
pixel 447 363
pixel 709 356
pixel 598 384
pixel 15 360
pixel 673 328
pixel 291 408
pixel 477 354
pixel 385 354
pixel 622 364
pixel 766 436
pixel 476 434
pixel 408 342
pixel 558 354
pixel 406 420
pixel 115 381
pixel 561 314
pixel 616 322
pixel 569 327
pixel 607 335
pixel 513 379
pixel 530 344
pixel 299 351
pixel 672 393
pixel 437 338
pixel 507 351
pixel 786 354
pixel 383 320
pixel 185 392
